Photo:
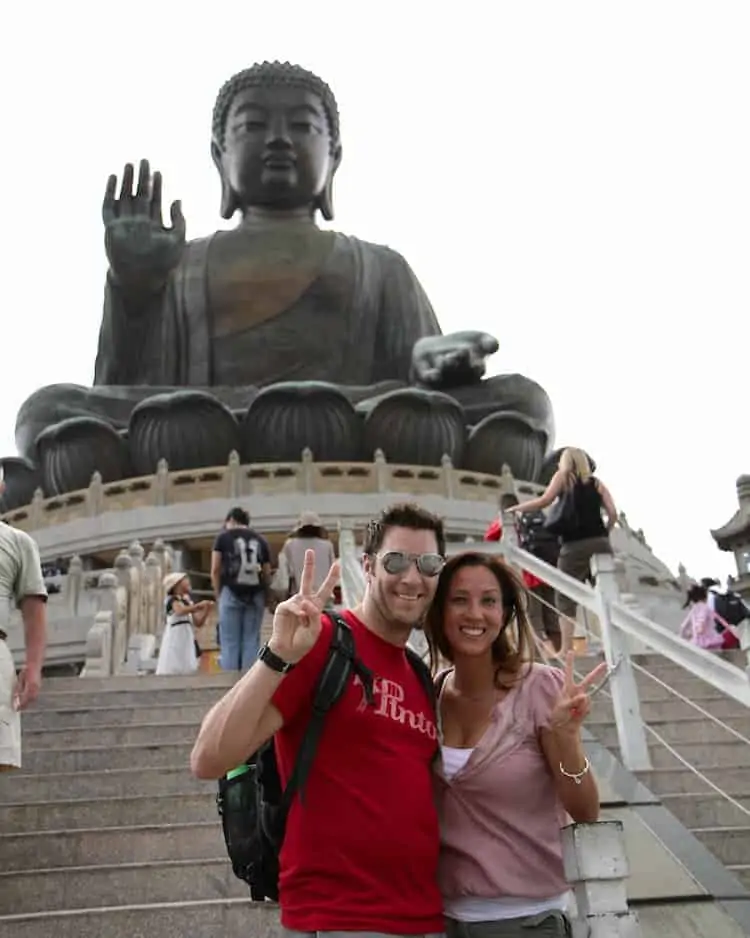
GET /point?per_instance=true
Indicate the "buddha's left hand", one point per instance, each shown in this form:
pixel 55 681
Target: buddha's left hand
pixel 451 361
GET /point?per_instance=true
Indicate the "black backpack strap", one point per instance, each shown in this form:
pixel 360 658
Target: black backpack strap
pixel 425 679
pixel 340 664
pixel 424 674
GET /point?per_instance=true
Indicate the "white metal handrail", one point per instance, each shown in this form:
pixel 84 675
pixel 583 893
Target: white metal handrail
pixel 721 674
pixel 658 737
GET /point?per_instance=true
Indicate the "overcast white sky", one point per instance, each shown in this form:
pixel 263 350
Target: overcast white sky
pixel 572 177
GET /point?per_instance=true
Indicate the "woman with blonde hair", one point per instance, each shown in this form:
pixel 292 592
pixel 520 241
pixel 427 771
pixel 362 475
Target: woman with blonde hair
pixel 577 520
pixel 513 766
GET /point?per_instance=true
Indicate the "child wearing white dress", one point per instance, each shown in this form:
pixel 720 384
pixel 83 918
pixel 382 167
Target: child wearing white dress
pixel 177 654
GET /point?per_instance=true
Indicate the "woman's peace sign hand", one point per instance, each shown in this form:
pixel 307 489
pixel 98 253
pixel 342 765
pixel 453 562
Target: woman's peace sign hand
pixel 296 621
pixel 574 702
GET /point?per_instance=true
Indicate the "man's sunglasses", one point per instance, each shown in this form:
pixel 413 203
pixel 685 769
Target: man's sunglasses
pixel 398 561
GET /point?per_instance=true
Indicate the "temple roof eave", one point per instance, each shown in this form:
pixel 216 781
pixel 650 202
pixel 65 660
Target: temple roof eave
pixel 735 530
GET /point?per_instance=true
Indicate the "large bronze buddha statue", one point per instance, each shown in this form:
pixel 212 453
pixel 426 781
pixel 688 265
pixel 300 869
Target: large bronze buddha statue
pixel 276 335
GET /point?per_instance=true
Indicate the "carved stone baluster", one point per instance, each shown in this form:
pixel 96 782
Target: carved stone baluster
pixel 381 471
pixel 153 607
pixel 36 510
pixel 161 484
pixel 308 471
pixel 95 496
pixel 100 638
pixel 234 476
pixel 124 571
pixel 136 611
pixel 73 584
pixel 508 493
pixel 596 867
pixel 447 466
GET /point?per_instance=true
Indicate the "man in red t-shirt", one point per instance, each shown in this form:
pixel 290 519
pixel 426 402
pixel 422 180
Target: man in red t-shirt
pixel 361 853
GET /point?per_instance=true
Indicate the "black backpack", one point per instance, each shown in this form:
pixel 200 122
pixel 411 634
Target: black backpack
pixel 731 607
pixel 534 537
pixel 252 805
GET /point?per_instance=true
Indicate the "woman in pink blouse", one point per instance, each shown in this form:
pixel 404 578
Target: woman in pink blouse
pixel 513 767
pixel 699 625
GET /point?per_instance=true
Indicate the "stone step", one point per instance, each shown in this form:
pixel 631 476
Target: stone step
pixel 742 872
pixel 697 754
pixel 211 918
pixel 123 735
pixel 675 677
pixel 88 717
pixel 729 844
pixel 123 884
pixel 106 783
pixel 685 684
pixel 657 664
pixel 697 730
pixel 656 661
pixel 708 810
pixel 672 708
pixel 690 688
pixel 670 671
pixel 143 682
pixel 187 807
pixel 678 779
pixel 97 758
pixel 106 845
pixel 199 695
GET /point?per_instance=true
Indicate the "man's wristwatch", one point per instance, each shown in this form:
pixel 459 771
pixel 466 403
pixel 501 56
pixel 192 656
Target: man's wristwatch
pixel 272 660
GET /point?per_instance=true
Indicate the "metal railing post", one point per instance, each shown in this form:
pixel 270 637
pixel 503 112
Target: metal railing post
pixel 631 732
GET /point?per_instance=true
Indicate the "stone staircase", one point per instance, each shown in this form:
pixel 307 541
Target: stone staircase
pixel 104 831
pixel 718 753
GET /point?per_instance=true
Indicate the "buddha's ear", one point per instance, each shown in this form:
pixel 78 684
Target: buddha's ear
pixel 325 200
pixel 228 199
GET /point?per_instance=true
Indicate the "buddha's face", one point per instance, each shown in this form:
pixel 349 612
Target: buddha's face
pixel 277 148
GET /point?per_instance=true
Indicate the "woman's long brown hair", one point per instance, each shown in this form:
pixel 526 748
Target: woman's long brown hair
pixel 514 646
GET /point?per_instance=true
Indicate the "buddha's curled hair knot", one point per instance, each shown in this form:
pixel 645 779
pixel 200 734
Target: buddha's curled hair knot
pixel 269 75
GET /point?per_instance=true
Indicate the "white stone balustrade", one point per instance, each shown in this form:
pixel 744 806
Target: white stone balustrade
pixel 596 866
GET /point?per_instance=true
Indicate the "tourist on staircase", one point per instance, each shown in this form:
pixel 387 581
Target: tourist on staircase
pixel 178 652
pixel 700 624
pixel 240 576
pixel 359 852
pixel 534 537
pixel 308 534
pixel 513 765
pixel 731 607
pixel 21 583
pixel 576 518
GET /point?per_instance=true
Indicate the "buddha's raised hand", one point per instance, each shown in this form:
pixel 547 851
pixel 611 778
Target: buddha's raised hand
pixel 454 360
pixel 296 622
pixel 140 249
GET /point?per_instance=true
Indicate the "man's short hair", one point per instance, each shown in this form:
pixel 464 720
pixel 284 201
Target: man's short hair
pixel 239 516
pixel 403 515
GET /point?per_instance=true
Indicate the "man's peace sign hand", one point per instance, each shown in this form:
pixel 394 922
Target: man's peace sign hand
pixel 574 701
pixel 296 622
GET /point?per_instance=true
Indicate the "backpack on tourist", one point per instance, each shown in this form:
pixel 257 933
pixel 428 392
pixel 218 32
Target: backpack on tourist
pixel 731 607
pixel 251 802
pixel 534 537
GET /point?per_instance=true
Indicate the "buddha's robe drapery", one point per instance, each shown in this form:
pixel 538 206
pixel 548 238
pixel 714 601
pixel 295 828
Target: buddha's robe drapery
pixel 327 307
pixel 252 307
